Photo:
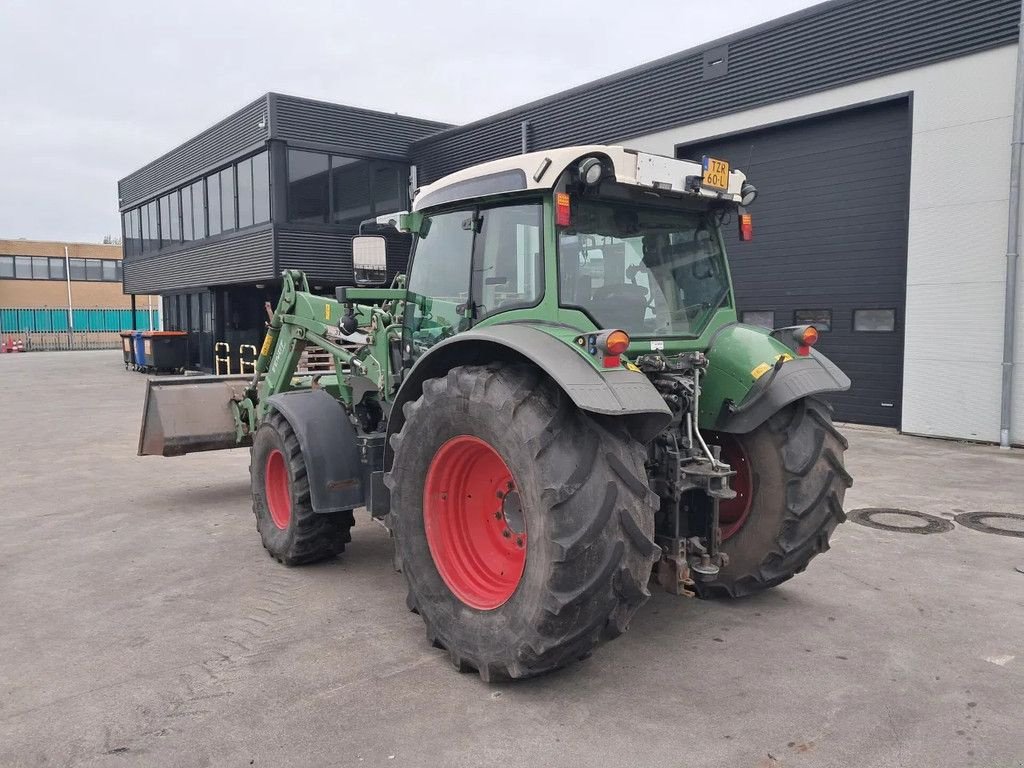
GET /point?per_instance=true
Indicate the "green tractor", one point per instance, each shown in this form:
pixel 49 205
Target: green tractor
pixel 556 406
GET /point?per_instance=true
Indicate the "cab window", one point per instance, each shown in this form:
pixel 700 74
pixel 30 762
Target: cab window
pixel 508 268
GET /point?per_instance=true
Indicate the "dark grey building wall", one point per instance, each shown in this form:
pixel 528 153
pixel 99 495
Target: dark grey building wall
pixel 823 47
pixel 246 129
pixel 241 258
pixel 327 255
pixel 319 124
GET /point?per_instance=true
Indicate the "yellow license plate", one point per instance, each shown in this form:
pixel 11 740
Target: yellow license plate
pixel 716 173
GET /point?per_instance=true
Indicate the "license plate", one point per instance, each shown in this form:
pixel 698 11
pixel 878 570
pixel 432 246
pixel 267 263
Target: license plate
pixel 716 173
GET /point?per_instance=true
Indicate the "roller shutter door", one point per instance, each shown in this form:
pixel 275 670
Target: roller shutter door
pixel 830 241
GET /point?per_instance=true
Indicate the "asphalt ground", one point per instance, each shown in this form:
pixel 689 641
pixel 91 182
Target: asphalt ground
pixel 142 624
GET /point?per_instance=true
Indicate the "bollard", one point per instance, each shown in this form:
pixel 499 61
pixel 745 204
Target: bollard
pixel 222 354
pixel 246 366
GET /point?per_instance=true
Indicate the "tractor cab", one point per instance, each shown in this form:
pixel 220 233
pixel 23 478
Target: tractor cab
pixel 589 238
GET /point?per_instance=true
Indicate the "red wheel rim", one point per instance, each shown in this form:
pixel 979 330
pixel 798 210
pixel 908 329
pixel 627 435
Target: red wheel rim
pixel 474 522
pixel 279 497
pixel 733 513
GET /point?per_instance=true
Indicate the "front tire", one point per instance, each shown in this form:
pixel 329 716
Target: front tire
pixel 790 486
pixel 523 525
pixel 292 533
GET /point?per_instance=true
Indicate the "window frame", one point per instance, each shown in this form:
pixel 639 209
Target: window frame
pixel 540 278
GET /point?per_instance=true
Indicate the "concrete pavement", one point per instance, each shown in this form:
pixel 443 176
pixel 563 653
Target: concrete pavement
pixel 142 624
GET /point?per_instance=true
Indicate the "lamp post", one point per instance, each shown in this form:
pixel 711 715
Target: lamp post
pixel 71 314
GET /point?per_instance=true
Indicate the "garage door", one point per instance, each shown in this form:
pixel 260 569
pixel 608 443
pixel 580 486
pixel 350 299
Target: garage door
pixel 830 242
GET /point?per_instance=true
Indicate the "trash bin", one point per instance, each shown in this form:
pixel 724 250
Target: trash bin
pixel 165 350
pixel 127 349
pixel 140 354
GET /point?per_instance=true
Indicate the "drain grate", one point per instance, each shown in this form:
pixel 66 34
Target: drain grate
pixel 976 521
pixel 920 521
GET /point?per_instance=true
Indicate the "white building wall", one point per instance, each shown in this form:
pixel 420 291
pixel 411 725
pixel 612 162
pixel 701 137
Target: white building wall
pixel 962 115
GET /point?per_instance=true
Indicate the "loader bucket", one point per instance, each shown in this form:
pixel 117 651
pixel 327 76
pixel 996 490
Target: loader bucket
pixel 185 414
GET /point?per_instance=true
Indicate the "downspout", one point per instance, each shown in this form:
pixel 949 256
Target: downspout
pixel 524 136
pixel 1012 244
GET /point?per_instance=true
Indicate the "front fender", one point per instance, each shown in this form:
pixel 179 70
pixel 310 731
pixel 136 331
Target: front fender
pixel 611 392
pixel 329 446
pixel 746 382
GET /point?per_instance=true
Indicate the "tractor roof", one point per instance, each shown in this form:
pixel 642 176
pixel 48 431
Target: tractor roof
pixel 542 170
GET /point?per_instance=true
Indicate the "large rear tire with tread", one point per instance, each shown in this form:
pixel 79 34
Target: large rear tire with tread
pixel 292 533
pixel 798 482
pixel 585 509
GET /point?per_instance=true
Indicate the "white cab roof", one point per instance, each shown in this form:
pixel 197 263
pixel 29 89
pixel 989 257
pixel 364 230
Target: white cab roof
pixel 541 170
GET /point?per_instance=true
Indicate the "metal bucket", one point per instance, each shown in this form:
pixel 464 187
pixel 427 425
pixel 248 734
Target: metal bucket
pixel 185 414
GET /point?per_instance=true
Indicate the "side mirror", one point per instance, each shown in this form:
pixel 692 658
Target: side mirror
pixel 370 260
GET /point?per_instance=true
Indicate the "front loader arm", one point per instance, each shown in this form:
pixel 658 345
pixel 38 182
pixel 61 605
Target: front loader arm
pixel 301 320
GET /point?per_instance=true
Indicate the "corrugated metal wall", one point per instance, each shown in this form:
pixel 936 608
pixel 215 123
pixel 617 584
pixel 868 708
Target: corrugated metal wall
pixel 228 138
pixel 240 259
pixel 823 47
pixel 341 128
pixel 327 256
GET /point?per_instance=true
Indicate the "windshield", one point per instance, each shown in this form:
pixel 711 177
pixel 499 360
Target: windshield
pixel 648 271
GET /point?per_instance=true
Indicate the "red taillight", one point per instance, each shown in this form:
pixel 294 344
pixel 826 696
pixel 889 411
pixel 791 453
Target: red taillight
pixel 806 338
pixel 616 342
pixel 611 361
pixel 562 215
pixel 746 227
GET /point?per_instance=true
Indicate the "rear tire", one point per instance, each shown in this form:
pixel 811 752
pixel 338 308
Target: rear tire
pixel 797 482
pixel 584 506
pixel 292 533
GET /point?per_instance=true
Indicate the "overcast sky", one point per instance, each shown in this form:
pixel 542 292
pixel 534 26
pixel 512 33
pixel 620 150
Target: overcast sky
pixel 90 91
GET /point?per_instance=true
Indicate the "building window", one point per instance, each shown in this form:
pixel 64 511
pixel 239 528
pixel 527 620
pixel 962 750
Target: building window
pixel 40 268
pixel 23 267
pixel 342 190
pixel 175 227
pixel 150 229
pixel 187 230
pixel 760 317
pixel 388 195
pixel 350 185
pixel 198 210
pixel 227 200
pixel 109 270
pixel 244 173
pixel 119 270
pixel 6 266
pixel 308 186
pixel 131 232
pixel 260 188
pixel 213 203
pixel 874 320
pixel 93 269
pixel 165 220
pixel 819 318
pixel 57 269
pixel 77 269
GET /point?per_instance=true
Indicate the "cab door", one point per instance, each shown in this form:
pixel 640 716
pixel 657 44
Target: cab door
pixel 439 303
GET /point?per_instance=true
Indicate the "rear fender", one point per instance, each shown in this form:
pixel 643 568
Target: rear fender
pixel 615 392
pixel 752 376
pixel 330 448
